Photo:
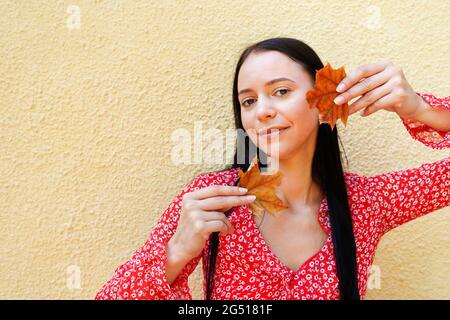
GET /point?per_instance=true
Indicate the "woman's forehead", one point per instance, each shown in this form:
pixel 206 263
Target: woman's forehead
pixel 262 67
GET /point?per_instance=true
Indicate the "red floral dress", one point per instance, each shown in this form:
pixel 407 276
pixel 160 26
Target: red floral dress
pixel 246 268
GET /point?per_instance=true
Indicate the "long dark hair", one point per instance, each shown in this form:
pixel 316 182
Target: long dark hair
pixel 327 171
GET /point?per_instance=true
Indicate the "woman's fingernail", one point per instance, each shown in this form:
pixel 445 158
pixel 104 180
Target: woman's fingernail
pixel 250 197
pixel 340 87
pixel 339 100
pixel 243 190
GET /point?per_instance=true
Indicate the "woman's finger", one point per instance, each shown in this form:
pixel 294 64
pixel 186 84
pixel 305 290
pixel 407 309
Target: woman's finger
pixel 216 215
pixel 370 98
pixel 224 202
pixel 382 103
pixel 217 190
pixel 361 72
pixel 215 226
pixel 364 86
pixel 211 215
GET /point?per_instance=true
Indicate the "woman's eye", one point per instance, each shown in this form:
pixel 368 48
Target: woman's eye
pixel 279 90
pixel 287 90
pixel 243 103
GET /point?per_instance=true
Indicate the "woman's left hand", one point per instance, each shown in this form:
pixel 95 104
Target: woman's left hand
pixel 382 85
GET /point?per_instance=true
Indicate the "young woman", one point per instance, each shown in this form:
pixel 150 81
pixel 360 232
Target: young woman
pixel 323 245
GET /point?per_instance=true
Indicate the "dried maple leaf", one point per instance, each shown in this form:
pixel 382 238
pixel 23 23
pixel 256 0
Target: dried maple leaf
pixel 263 187
pixel 323 94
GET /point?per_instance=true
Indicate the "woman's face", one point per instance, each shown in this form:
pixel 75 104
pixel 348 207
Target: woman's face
pixel 267 102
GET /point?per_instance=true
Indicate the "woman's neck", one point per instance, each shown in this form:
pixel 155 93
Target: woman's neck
pixel 297 185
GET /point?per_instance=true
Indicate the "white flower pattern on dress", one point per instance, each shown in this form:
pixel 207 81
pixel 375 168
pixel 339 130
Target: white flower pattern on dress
pixel 246 268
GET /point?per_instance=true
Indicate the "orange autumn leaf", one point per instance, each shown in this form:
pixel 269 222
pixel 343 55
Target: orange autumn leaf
pixel 263 187
pixel 323 94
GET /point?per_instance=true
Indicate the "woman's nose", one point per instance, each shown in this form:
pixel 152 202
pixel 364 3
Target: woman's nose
pixel 265 109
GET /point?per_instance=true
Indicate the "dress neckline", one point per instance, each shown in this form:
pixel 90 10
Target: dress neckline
pixel 322 218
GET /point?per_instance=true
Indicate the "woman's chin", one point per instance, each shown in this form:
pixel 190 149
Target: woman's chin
pixel 275 151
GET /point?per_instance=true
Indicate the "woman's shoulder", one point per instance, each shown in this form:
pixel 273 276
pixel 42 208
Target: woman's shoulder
pixel 353 181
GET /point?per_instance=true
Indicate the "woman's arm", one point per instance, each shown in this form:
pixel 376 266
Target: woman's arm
pixel 174 262
pixel 154 272
pixel 433 116
pixel 429 122
pixel 395 198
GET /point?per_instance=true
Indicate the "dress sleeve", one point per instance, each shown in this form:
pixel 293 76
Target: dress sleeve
pixel 143 277
pixel 428 136
pixel 398 197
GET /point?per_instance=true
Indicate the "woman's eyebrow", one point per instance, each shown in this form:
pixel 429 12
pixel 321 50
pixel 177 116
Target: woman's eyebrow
pixel 268 83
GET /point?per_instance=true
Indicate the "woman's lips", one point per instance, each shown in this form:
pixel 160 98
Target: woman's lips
pixel 273 133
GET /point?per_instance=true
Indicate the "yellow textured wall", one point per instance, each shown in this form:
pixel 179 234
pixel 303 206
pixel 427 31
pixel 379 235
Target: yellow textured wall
pixel 86 116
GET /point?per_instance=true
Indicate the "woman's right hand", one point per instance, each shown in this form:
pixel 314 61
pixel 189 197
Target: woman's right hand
pixel 203 213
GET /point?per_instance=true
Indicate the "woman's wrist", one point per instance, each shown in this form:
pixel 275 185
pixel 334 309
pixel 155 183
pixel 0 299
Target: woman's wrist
pixel 175 261
pixel 175 253
pixel 422 110
pixel 436 118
